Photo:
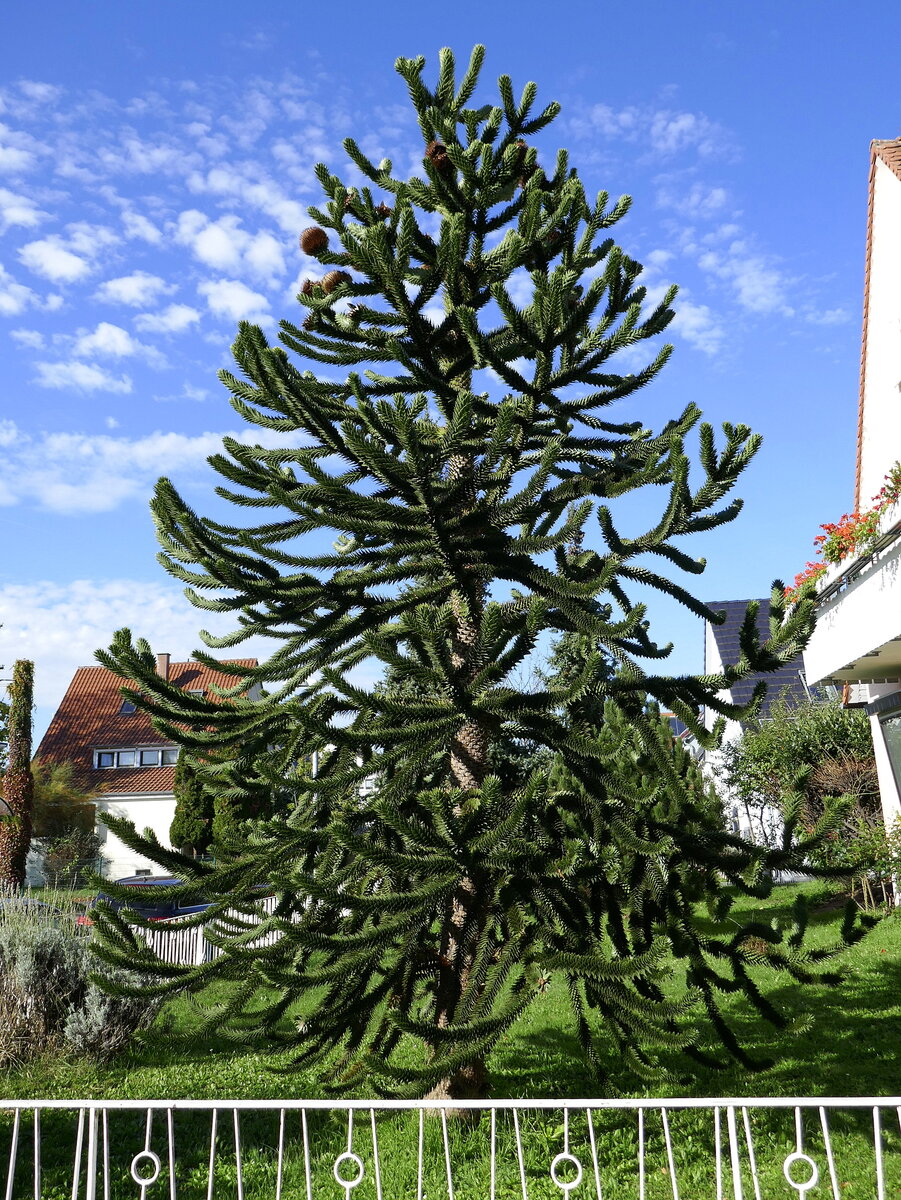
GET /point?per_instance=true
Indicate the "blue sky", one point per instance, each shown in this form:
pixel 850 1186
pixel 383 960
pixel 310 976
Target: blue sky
pixel 156 161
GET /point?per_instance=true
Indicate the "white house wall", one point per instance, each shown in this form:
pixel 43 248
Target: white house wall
pixel 145 812
pixel 881 433
pixel 854 639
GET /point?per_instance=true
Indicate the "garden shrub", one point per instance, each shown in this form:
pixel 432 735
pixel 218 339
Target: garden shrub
pixel 50 1003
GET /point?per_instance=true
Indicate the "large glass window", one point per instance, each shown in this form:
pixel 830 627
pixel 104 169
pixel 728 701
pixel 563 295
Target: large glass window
pixel 150 758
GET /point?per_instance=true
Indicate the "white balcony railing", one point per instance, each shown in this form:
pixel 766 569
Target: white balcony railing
pixel 527 1150
pixel 858 627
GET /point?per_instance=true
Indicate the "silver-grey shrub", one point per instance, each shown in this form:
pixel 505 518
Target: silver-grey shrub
pixel 48 1001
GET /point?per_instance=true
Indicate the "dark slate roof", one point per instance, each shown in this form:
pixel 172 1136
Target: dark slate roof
pixel 784 681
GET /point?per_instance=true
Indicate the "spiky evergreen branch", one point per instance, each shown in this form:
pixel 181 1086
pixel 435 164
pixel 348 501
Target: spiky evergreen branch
pixel 423 897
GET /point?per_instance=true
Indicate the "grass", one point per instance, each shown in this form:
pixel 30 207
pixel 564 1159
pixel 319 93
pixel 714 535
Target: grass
pixel 843 1041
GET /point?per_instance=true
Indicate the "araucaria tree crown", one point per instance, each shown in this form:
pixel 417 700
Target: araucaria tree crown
pixel 418 898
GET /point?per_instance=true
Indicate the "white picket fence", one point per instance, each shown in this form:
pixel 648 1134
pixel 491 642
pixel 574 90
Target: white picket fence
pixel 683 1149
pixel 180 944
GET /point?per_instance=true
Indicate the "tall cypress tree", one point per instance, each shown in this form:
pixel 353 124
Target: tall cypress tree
pixel 428 905
pixel 192 823
pixel 18 783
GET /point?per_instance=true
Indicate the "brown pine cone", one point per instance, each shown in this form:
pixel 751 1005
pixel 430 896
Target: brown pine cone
pixel 333 279
pixel 436 153
pixel 313 240
pixel 382 210
pixel 527 172
pixel 306 288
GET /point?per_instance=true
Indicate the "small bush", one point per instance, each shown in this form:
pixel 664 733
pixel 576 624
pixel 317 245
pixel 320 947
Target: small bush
pixel 50 1004
pixel 71 858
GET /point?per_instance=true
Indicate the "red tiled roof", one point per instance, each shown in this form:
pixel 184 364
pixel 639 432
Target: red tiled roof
pixel 89 719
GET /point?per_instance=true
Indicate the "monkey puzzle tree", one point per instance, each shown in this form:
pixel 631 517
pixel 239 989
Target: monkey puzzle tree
pixel 421 898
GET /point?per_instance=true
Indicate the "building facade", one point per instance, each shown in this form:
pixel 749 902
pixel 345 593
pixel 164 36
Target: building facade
pixel 722 648
pixel 857 640
pixel 118 758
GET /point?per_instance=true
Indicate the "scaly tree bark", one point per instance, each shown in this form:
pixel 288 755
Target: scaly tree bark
pixel 423 516
pixel 18 784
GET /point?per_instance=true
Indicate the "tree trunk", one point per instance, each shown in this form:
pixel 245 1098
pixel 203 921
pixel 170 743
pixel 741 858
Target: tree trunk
pixel 465 915
pixel 18 784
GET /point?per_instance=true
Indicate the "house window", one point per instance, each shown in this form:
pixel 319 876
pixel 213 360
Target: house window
pixel 197 692
pixel 127 707
pixel 106 759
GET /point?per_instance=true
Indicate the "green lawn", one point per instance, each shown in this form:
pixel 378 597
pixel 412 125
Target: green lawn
pixel 844 1041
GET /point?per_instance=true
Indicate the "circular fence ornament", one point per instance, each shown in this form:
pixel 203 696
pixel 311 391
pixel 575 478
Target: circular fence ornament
pixel 801 1187
pixel 144 1181
pixel 348 1156
pixel 562 1184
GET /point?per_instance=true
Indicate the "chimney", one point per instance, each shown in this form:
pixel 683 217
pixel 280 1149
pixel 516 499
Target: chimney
pixel 162 665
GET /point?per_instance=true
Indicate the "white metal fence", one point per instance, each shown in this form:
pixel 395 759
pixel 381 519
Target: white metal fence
pixel 485 1150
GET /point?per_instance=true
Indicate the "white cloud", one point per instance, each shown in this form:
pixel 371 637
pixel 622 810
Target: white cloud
pixel 68 259
pixel 234 301
pixel 60 626
pixel 74 473
pixel 106 341
pixel 43 93
pixel 671 132
pixel 225 246
pixel 14 297
pixel 135 155
pixel 16 209
pixel 759 285
pixel 111 341
pixel 698 325
pixel 138 226
pixel 664 131
pixel 50 259
pixel 32 338
pixel 136 290
pixel 173 319
pixel 698 202
pixel 18 151
pixel 260 193
pixel 831 316
pixel 80 377
pixel 88 239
